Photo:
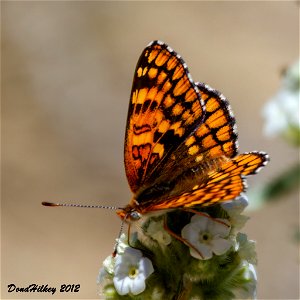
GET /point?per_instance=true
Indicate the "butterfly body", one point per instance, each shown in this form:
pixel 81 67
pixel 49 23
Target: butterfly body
pixel 181 139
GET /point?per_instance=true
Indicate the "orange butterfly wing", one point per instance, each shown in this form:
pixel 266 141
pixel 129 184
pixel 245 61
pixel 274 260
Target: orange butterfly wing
pixel 214 139
pixel 165 107
pixel 181 138
pixel 218 134
pixel 220 185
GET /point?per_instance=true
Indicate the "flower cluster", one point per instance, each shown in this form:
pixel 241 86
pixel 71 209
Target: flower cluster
pixel 281 113
pixel 184 254
pixel 282 119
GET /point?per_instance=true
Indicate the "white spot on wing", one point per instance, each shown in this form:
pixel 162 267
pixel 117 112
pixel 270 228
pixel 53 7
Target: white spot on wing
pixel 222 97
pixel 208 87
pixel 170 49
pixel 150 44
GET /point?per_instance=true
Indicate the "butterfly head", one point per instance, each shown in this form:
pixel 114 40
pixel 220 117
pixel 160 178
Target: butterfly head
pixel 129 214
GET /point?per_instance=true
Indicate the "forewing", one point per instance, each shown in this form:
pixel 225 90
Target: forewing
pixel 165 108
pixel 220 185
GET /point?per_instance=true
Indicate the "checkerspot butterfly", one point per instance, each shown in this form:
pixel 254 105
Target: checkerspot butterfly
pixel 180 142
pixel 181 139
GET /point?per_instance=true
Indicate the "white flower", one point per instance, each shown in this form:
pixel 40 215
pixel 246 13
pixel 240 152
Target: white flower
pixel 281 113
pixel 236 206
pixel 109 261
pixel 246 248
pixel 248 291
pixel 122 243
pixel 234 209
pixel 109 264
pixel 131 271
pixel 207 236
pixel 156 231
pixel 101 276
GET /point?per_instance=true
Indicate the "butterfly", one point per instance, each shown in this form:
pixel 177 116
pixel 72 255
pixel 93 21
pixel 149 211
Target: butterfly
pixel 181 148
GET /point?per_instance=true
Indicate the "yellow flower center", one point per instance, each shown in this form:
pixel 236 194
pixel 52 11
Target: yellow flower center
pixel 205 237
pixel 132 273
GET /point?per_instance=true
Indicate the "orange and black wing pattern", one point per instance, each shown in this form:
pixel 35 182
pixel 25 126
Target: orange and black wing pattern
pixel 218 134
pixel 218 186
pixel 165 107
pixel 214 138
pixel 181 138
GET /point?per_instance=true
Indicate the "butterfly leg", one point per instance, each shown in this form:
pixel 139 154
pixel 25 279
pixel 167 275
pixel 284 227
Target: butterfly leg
pixel 199 213
pixel 173 234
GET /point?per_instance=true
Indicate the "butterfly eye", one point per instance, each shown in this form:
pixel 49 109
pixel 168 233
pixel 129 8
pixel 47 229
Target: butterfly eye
pixel 134 215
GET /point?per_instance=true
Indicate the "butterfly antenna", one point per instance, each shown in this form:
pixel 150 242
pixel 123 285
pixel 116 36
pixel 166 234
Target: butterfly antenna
pixel 119 236
pixel 80 205
pixel 94 206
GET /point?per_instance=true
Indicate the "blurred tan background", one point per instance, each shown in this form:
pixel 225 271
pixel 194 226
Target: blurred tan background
pixel 67 71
